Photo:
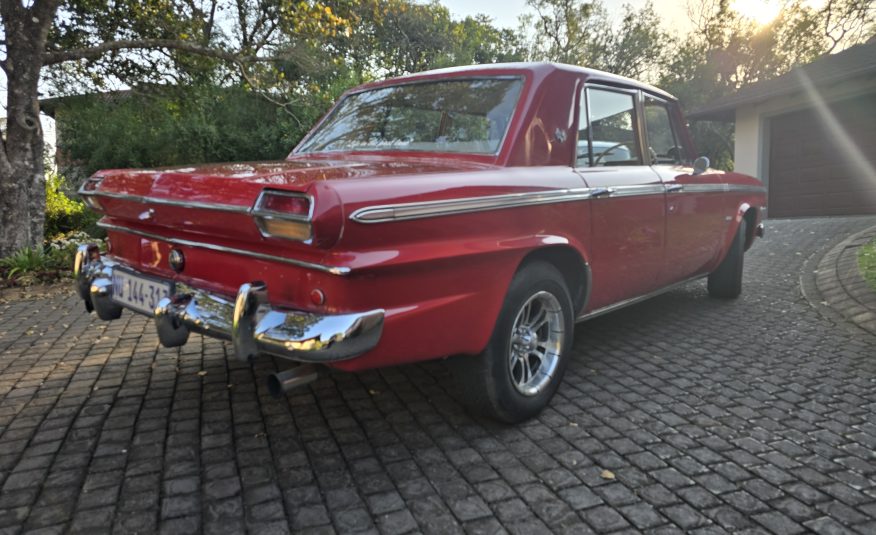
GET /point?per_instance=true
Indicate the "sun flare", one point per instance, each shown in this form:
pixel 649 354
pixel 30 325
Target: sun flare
pixel 760 11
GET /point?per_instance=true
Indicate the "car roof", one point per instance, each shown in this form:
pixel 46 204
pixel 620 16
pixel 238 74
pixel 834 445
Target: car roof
pixel 544 69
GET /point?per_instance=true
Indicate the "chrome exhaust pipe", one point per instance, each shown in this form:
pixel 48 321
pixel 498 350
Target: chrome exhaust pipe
pixel 281 382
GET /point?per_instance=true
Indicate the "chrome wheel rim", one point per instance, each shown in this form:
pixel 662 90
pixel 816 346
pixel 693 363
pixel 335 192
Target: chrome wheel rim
pixel 536 343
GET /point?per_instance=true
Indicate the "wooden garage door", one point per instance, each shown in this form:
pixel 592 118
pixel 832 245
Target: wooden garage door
pixel 810 174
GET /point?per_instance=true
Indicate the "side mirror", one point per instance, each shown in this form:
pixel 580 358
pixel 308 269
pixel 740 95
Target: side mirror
pixel 700 165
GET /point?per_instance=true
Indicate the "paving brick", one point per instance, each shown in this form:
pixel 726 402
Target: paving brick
pixel 778 523
pixel 684 516
pixel 397 522
pixel 643 516
pixel 604 518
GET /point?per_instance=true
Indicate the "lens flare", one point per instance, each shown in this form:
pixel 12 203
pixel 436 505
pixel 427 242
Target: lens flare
pixel 760 12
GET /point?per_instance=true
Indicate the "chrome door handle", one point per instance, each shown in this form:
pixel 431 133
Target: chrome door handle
pixel 601 192
pixel 674 188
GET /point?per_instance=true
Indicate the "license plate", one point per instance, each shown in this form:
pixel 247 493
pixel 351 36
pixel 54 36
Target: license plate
pixel 137 292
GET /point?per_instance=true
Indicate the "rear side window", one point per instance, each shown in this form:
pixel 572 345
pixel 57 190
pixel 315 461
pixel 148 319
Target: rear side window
pixel 663 145
pixel 607 129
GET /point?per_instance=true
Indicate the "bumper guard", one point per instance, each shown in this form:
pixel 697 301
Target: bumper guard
pixel 252 325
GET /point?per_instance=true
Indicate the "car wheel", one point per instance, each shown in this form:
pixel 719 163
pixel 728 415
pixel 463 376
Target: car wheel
pixel 519 371
pixel 726 280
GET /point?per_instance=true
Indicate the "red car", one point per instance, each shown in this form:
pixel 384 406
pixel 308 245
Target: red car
pixel 477 212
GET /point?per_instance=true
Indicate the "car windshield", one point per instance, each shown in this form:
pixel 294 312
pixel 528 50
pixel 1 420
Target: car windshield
pixel 463 116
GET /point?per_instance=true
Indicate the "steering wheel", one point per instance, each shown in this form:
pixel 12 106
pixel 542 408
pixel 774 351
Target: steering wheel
pixel 604 153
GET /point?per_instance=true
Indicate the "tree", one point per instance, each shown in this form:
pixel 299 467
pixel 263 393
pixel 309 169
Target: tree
pixel 725 51
pixel 126 39
pixel 562 29
pixel 846 22
pixel 583 33
pixel 394 37
pixel 636 48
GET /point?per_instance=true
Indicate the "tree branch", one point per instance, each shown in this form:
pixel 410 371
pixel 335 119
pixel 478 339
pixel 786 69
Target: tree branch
pixel 55 57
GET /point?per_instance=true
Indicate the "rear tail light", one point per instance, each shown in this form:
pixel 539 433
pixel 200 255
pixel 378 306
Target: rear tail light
pixel 283 214
pixel 87 192
pixel 92 183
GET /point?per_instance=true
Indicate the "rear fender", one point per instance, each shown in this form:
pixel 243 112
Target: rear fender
pixel 467 284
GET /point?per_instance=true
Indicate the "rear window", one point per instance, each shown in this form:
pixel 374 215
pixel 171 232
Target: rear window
pixel 462 115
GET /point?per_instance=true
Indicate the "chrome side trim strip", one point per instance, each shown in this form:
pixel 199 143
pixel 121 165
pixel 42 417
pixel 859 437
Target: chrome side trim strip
pixel 419 210
pixel 722 188
pixel 234 208
pixel 334 270
pixel 637 190
pixel 634 300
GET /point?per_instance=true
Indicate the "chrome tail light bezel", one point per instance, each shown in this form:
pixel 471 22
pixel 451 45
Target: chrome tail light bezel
pixel 263 217
pixel 88 191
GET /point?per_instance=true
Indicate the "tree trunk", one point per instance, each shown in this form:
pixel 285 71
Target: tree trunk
pixel 22 168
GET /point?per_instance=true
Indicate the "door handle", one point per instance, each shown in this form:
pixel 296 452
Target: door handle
pixel 671 188
pixel 601 192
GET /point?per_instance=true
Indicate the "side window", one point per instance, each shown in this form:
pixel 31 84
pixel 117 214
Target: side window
pixel 607 134
pixel 664 147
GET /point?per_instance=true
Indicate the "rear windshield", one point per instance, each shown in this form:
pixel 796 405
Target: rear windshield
pixel 462 115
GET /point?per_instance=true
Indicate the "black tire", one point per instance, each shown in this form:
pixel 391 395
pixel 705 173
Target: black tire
pixel 490 384
pixel 726 281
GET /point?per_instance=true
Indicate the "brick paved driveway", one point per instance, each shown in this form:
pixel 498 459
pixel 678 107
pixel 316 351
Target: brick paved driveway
pixel 680 413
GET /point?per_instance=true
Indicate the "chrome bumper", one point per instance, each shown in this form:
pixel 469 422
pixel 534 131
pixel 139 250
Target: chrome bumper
pixel 248 321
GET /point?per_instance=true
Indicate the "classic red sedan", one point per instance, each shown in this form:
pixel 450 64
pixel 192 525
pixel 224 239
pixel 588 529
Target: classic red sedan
pixel 477 212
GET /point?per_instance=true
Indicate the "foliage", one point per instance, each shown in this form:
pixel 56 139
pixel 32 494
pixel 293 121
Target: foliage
pixel 65 214
pixel 636 48
pixel 43 264
pixel 24 261
pixel 150 127
pixel 583 33
pixel 563 30
pixel 846 22
pixel 223 40
pixel 394 37
pixel 867 263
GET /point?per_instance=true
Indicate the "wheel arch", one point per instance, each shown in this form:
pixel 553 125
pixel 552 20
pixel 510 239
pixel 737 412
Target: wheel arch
pixel 749 215
pixel 571 265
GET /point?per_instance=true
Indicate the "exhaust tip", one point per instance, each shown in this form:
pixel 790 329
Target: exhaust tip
pixel 275 387
pixel 281 382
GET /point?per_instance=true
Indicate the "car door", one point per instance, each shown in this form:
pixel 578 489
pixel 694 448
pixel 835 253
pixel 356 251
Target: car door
pixel 628 198
pixel 695 206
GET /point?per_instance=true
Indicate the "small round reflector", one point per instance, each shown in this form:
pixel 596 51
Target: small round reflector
pixel 317 296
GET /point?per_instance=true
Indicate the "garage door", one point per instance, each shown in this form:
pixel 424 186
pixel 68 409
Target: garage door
pixel 810 174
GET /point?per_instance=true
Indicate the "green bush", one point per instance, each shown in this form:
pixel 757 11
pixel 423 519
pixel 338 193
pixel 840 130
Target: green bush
pixel 45 264
pixel 24 261
pixel 65 214
pixel 162 126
